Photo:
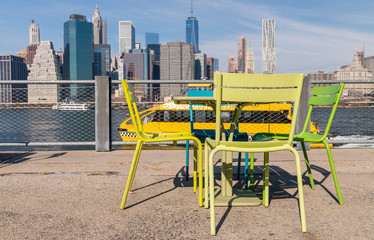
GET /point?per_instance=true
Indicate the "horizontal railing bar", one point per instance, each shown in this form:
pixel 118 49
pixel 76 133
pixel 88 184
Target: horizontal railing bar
pixel 341 81
pixel 35 144
pixel 48 82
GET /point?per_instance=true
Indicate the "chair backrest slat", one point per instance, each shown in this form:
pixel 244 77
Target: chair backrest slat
pixel 258 88
pixel 322 100
pixel 329 90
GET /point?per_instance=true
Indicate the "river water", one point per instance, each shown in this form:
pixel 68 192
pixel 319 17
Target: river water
pixel 47 125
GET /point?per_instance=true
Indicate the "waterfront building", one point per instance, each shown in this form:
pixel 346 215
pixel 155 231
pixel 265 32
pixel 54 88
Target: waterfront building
pixel 355 71
pixel 250 61
pixel 192 31
pixel 269 62
pixel 99 28
pixel 242 45
pixel 78 56
pixel 126 36
pixel 200 66
pixel 177 62
pixel 12 68
pixel 232 64
pixel 151 38
pixel 34 34
pixel 44 68
pixel 369 64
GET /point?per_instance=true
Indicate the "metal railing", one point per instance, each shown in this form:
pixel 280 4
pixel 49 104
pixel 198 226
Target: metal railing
pixel 28 120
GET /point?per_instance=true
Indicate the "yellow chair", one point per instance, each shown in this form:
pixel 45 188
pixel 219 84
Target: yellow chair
pixel 244 89
pixel 157 137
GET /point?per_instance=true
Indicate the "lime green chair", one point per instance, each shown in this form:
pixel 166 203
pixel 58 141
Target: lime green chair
pixel 321 96
pixel 244 89
pixel 158 137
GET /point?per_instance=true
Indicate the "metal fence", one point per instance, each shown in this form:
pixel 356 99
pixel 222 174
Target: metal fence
pixel 40 115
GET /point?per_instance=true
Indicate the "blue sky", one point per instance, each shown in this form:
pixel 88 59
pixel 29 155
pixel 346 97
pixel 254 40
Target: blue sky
pixel 310 35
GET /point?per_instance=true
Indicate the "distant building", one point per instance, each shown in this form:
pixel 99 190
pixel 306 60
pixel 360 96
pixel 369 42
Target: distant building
pixel 269 62
pixel 355 71
pixel 209 68
pixel 192 31
pixel 12 68
pixel 250 61
pixel 321 75
pixel 216 65
pixel 177 63
pixel 126 36
pixel 34 34
pixel 232 66
pixel 44 68
pixel 200 66
pixel 101 48
pixel 99 28
pixel 242 45
pixel 151 38
pixel 369 64
pixel 30 52
pixel 78 56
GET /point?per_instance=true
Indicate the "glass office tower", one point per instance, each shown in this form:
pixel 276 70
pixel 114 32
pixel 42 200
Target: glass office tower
pixel 151 38
pixel 78 55
pixel 192 32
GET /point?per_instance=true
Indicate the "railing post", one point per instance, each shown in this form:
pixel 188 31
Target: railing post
pixel 103 135
pixel 303 110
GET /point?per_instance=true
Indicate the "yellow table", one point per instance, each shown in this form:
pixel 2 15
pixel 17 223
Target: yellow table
pixel 226 196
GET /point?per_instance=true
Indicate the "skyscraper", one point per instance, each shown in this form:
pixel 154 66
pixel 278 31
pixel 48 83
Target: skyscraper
pixel 242 44
pixel 78 55
pixel 45 67
pixel 177 63
pixel 99 28
pixel 250 61
pixel 192 31
pixel 232 65
pixel 269 62
pixel 126 36
pixel 12 68
pixel 101 48
pixel 200 66
pixel 151 38
pixel 34 34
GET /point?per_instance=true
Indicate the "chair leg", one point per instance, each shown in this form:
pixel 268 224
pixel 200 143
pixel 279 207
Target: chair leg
pixel 201 188
pixel 300 189
pixel 239 163
pixel 187 157
pixel 194 169
pixel 246 171
pixel 308 165
pixel 251 184
pixel 131 176
pixel 206 177
pixel 265 190
pixel 211 195
pixel 332 165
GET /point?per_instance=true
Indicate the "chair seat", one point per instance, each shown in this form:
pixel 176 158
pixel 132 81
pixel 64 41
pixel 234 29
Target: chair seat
pixel 202 134
pixel 162 137
pixel 264 143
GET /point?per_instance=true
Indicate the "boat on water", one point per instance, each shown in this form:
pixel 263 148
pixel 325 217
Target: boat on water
pixel 71 106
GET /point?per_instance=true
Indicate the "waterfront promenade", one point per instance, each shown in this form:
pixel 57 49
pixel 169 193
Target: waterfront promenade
pixel 77 195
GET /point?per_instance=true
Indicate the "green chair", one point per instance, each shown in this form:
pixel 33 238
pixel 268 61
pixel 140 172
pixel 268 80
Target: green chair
pixel 244 89
pixel 321 96
pixel 158 137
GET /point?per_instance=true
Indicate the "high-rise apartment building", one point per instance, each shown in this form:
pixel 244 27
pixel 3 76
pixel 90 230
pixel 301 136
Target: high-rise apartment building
pixel 177 63
pixel 44 68
pixel 12 68
pixel 126 36
pixel 34 34
pixel 78 55
pixel 242 45
pixel 151 38
pixel 192 31
pixel 250 61
pixel 209 68
pixel 269 62
pixel 101 48
pixel 200 66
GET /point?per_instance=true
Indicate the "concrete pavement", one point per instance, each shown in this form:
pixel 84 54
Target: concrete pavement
pixel 77 194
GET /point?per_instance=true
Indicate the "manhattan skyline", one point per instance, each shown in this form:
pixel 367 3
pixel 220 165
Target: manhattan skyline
pixel 311 36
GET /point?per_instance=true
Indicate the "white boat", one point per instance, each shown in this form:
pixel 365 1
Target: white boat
pixel 72 106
